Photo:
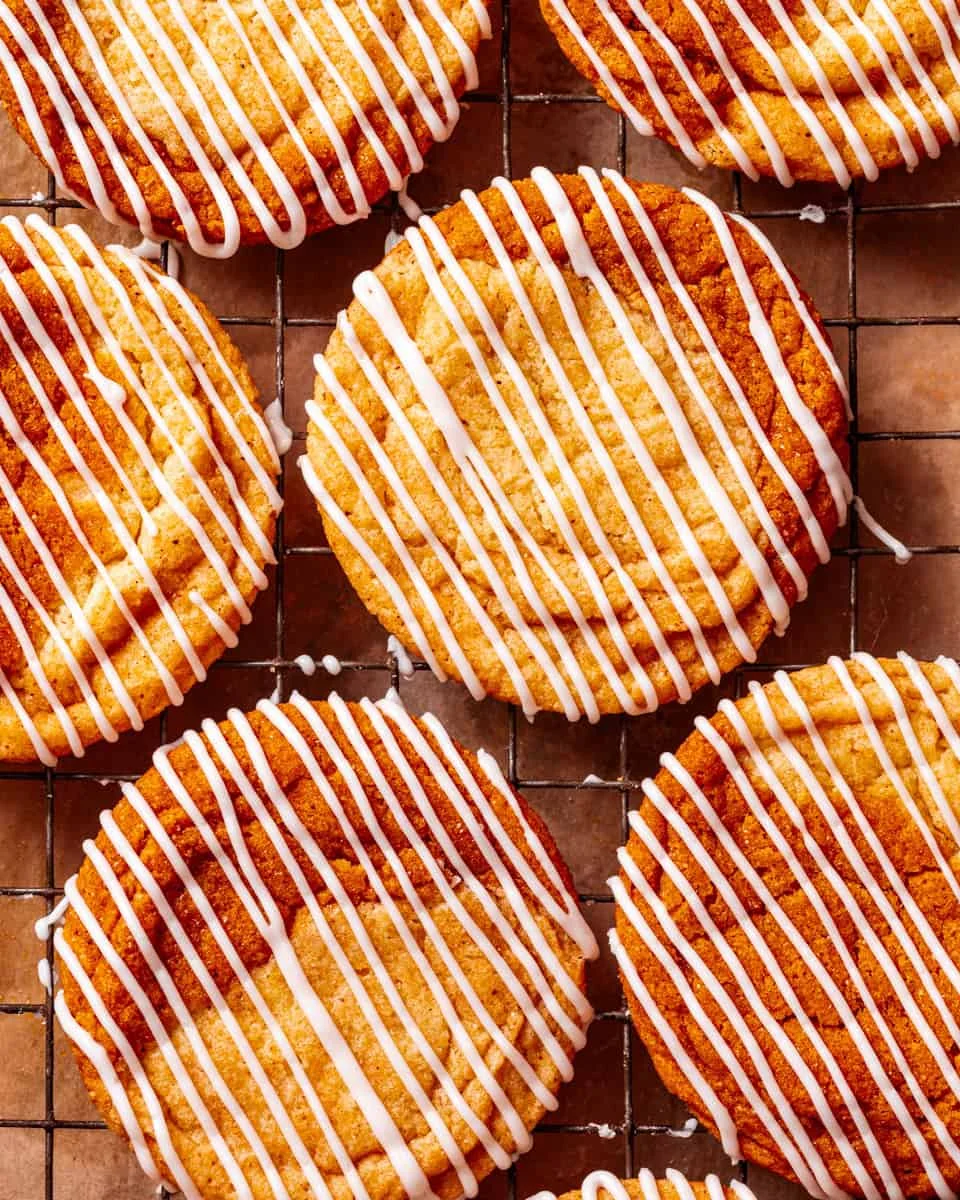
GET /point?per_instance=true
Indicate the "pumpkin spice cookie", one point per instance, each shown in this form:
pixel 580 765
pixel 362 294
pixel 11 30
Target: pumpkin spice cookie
pixel 797 89
pixel 221 124
pixel 137 492
pixel 320 950
pixel 788 910
pixel 579 442
pixel 646 1186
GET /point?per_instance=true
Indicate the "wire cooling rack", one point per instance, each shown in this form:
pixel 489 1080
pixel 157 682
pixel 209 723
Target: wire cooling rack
pixel 622 1138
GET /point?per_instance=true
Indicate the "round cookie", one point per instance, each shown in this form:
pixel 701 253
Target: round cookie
pixel 364 948
pixel 222 124
pixel 794 90
pixel 137 492
pixel 788 910
pixel 647 1187
pixel 579 442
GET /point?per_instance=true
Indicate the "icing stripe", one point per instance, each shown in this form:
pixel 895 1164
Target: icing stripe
pixel 514 906
pixel 907 86
pixel 573 652
pixel 872 897
pixel 207 120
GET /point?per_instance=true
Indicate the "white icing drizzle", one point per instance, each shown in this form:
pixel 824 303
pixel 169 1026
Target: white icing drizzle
pixel 603 1183
pixel 891 915
pixel 561 649
pixel 306 664
pixel 54 257
pixel 297 73
pixel 555 1009
pixel 913 108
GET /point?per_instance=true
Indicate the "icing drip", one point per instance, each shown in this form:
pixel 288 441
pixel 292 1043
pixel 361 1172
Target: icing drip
pixel 553 1007
pixel 294 68
pixel 401 657
pixel 914 97
pixel 834 881
pixel 603 1183
pixel 280 431
pixel 53 256
pixel 742 513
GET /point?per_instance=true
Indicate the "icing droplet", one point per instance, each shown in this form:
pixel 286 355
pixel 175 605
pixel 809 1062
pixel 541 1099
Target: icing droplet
pixel 280 431
pixel 813 213
pixel 306 664
pixel 331 664
pixel 45 975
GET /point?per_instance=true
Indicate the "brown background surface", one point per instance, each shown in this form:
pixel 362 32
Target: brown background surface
pixel 885 274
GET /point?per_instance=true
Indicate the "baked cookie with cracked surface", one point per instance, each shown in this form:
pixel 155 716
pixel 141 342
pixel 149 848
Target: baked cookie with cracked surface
pixel 137 492
pixel 646 1186
pixel 798 89
pixel 220 123
pixel 321 950
pixel 579 442
pixel 788 909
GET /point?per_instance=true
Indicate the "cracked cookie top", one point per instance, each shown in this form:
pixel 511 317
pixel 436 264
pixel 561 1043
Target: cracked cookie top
pixel 219 123
pixel 320 950
pixel 794 89
pixel 137 491
pixel 788 926
pixel 579 442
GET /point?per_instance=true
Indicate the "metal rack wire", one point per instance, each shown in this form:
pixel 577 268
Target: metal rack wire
pixel 632 1124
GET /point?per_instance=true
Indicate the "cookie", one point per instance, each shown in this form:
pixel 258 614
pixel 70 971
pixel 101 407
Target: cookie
pixel 788 911
pixel 137 492
pixel 792 90
pixel 321 950
pixel 647 1187
pixel 579 442
pixel 221 124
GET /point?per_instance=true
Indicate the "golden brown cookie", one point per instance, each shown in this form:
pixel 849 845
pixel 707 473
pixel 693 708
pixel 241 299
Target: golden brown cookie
pixel 320 950
pixel 137 491
pixel 220 123
pixel 579 442
pixel 797 89
pixel 788 926
pixel 646 1186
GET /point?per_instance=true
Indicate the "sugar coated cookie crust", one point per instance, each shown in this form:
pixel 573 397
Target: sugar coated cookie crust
pixel 320 950
pixel 579 442
pixel 137 491
pixel 218 123
pixel 788 910
pixel 796 89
